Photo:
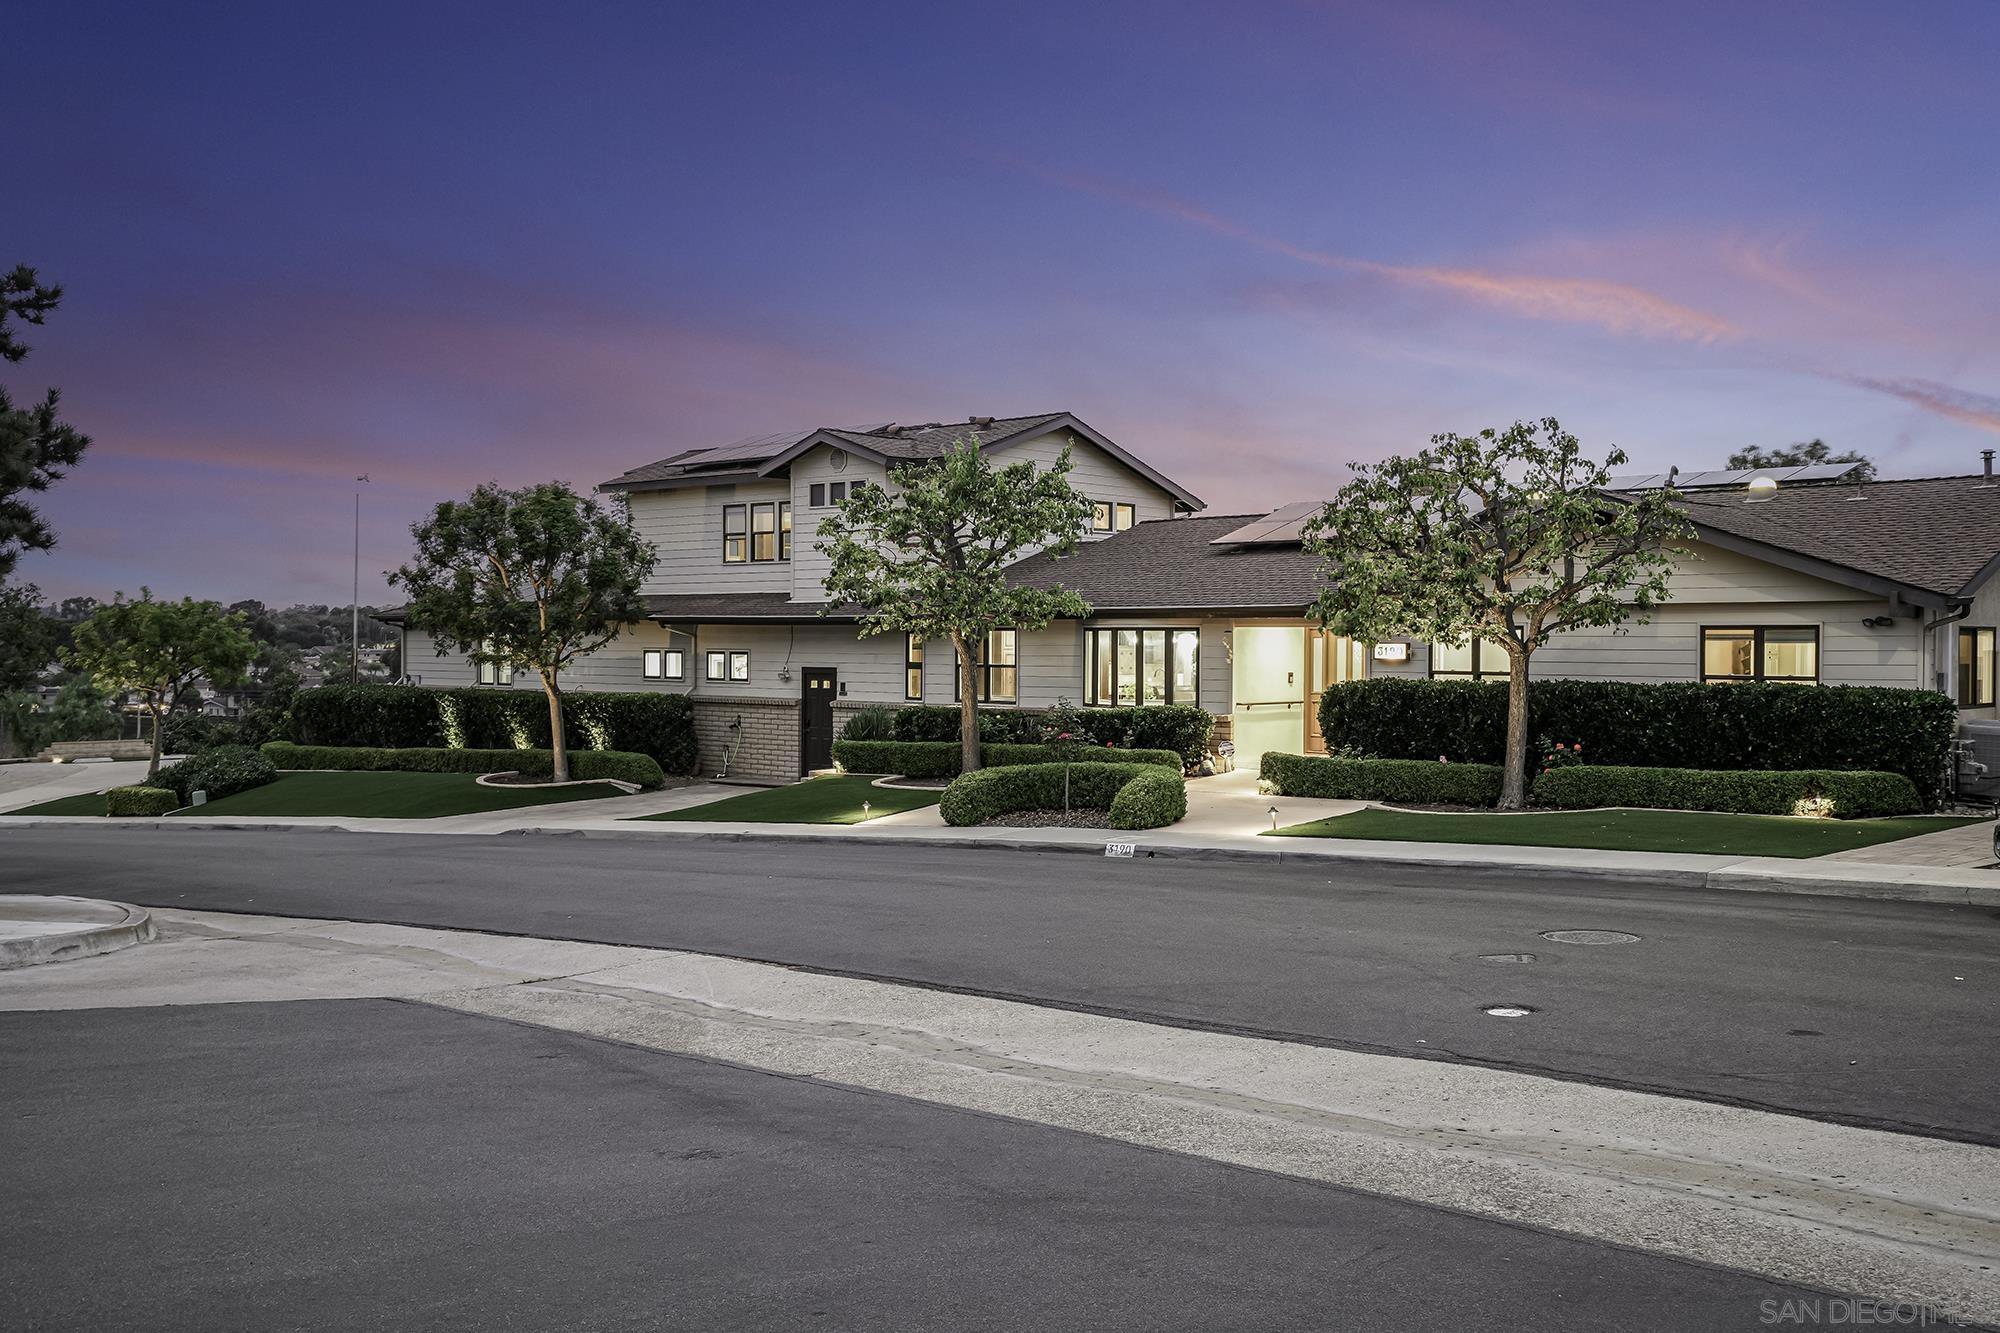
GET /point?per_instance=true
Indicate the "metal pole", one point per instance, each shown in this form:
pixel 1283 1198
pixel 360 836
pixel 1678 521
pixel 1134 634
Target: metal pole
pixel 354 632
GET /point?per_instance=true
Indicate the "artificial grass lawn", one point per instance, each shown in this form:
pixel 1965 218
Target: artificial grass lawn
pixel 361 796
pixel 831 800
pixel 1629 830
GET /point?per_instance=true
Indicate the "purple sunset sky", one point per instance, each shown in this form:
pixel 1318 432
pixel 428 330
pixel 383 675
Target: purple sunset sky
pixel 444 244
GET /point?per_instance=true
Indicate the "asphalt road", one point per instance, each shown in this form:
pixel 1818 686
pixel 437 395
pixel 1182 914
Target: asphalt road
pixel 1869 1013
pixel 379 1164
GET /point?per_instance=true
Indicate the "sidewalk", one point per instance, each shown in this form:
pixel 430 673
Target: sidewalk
pixel 1225 817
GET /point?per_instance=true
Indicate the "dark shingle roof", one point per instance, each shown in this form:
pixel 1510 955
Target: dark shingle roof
pixel 738 606
pixel 1932 533
pixel 1167 564
pixel 892 441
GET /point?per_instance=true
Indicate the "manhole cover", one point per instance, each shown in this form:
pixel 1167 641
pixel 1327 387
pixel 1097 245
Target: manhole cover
pixel 1589 937
pixel 1506 958
pixel 1507 1010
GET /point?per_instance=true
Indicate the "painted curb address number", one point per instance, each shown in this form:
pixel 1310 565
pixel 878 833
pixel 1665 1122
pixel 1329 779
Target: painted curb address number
pixel 1120 848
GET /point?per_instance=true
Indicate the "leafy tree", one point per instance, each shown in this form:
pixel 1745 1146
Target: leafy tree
pixel 528 579
pixel 28 637
pixel 157 649
pixel 928 555
pixel 1505 536
pixel 1801 455
pixel 36 448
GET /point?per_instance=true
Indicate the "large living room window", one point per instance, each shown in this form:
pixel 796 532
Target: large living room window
pixel 997 671
pixel 1975 668
pixel 1760 652
pixel 1471 659
pixel 1128 667
pixel 913 666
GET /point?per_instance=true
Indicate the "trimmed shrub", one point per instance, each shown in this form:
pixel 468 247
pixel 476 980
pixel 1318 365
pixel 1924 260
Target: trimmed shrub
pixel 220 772
pixel 939 759
pixel 584 765
pixel 1750 792
pixel 411 717
pixel 1751 726
pixel 974 798
pixel 1412 781
pixel 1154 799
pixel 1182 728
pixel 140 801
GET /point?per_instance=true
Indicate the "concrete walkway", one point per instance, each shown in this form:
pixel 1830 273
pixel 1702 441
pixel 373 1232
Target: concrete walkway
pixel 1878 1214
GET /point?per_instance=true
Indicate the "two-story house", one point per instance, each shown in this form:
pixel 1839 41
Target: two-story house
pixel 1817 581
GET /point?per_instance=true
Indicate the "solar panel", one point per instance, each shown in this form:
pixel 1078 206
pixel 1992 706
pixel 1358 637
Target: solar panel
pixel 1281 526
pixel 1636 482
pixel 1824 471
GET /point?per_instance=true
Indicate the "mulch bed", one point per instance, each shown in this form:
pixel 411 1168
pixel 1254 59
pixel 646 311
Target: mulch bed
pixel 1051 819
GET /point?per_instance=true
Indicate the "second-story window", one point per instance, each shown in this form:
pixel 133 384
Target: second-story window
pixel 784 529
pixel 1100 515
pixel 1123 516
pixel 735 534
pixel 763 532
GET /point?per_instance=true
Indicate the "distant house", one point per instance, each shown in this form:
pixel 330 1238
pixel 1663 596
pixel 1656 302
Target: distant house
pixel 1820 582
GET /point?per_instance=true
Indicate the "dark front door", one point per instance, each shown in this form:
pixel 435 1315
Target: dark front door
pixel 816 718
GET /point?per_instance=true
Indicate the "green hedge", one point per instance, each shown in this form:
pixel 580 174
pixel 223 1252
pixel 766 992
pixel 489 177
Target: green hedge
pixel 411 717
pixel 1854 795
pixel 1181 728
pixel 1412 781
pixel 140 801
pixel 1161 798
pixel 223 771
pixel 584 765
pixel 1751 726
pixel 939 759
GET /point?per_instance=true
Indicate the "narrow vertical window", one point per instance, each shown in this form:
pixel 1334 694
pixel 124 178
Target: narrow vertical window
pixel 1124 516
pixel 653 664
pixel 716 666
pixel 763 532
pixel 913 667
pixel 735 534
pixel 1975 668
pixel 1001 670
pixel 784 529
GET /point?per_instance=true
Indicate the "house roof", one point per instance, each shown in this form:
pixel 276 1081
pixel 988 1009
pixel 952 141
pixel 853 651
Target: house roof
pixel 1172 564
pixel 1939 535
pixel 764 455
pixel 741 608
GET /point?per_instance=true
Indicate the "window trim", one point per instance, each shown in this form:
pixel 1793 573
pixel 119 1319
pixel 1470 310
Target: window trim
pixel 741 534
pixel 666 655
pixel 1756 655
pixel 913 666
pixel 983 670
pixel 1964 668
pixel 1091 649
pixel 1479 672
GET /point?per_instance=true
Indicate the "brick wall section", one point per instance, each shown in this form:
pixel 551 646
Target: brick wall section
pixel 769 747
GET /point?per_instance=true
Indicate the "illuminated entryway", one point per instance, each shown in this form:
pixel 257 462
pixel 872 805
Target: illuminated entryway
pixel 1277 674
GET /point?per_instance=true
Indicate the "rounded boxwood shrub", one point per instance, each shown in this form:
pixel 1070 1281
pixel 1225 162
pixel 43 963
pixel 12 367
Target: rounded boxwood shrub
pixel 1849 795
pixel 222 771
pixel 974 798
pixel 1411 781
pixel 584 765
pixel 140 801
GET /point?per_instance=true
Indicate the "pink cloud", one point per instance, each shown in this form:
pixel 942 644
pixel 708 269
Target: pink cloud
pixel 1614 306
pixel 1977 410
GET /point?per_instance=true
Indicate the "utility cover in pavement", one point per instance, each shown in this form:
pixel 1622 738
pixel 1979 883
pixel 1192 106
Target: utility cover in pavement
pixel 1590 937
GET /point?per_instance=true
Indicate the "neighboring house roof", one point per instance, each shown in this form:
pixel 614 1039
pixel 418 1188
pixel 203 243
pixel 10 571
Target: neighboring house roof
pixel 1172 564
pixel 1937 535
pixel 762 456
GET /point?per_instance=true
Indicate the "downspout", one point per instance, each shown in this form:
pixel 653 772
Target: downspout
pixel 1935 642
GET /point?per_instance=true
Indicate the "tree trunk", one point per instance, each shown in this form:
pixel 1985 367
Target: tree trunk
pixel 153 769
pixel 558 743
pixel 1514 774
pixel 968 706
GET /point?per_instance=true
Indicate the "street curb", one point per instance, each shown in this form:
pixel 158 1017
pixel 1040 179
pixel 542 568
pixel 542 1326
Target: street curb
pixel 135 928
